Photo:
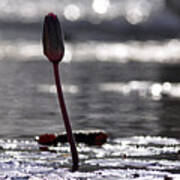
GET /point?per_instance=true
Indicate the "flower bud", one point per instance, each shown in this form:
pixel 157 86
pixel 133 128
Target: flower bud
pixel 53 44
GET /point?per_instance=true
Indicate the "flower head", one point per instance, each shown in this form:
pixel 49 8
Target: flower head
pixel 53 44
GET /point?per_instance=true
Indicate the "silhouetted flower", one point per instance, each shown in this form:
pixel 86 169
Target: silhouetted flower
pixel 53 38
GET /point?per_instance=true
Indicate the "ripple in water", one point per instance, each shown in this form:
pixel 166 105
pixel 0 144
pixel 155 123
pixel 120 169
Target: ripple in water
pixel 123 158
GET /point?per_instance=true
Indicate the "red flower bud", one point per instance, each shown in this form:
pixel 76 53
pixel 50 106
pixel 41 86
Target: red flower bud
pixel 53 38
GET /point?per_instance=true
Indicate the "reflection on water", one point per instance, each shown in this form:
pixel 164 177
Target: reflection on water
pixel 123 158
pixel 125 99
pixel 93 10
pixel 166 51
pixel 144 89
pixel 101 6
pixel 72 12
pixel 52 88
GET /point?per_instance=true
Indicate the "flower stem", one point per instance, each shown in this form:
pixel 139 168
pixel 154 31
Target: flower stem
pixel 66 118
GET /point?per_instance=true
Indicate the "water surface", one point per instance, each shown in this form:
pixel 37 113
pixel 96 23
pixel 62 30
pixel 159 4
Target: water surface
pixel 120 74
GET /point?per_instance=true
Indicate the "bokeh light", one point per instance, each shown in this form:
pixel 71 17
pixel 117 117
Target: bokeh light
pixel 100 6
pixel 137 12
pixel 72 12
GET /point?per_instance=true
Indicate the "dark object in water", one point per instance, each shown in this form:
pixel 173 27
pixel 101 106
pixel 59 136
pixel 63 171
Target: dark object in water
pixel 135 175
pixel 89 137
pixel 167 178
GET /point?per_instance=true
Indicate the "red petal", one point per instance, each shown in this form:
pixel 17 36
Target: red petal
pixel 47 139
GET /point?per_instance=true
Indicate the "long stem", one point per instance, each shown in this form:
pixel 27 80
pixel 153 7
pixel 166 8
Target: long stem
pixel 66 118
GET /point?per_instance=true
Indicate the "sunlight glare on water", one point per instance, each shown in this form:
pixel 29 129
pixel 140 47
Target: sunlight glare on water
pixel 72 89
pixel 138 12
pixel 144 89
pixel 33 12
pixel 150 51
pixel 132 159
pixel 72 12
pixel 100 6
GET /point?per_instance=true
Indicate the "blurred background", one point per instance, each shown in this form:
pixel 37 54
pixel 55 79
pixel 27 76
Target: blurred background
pixel 120 72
